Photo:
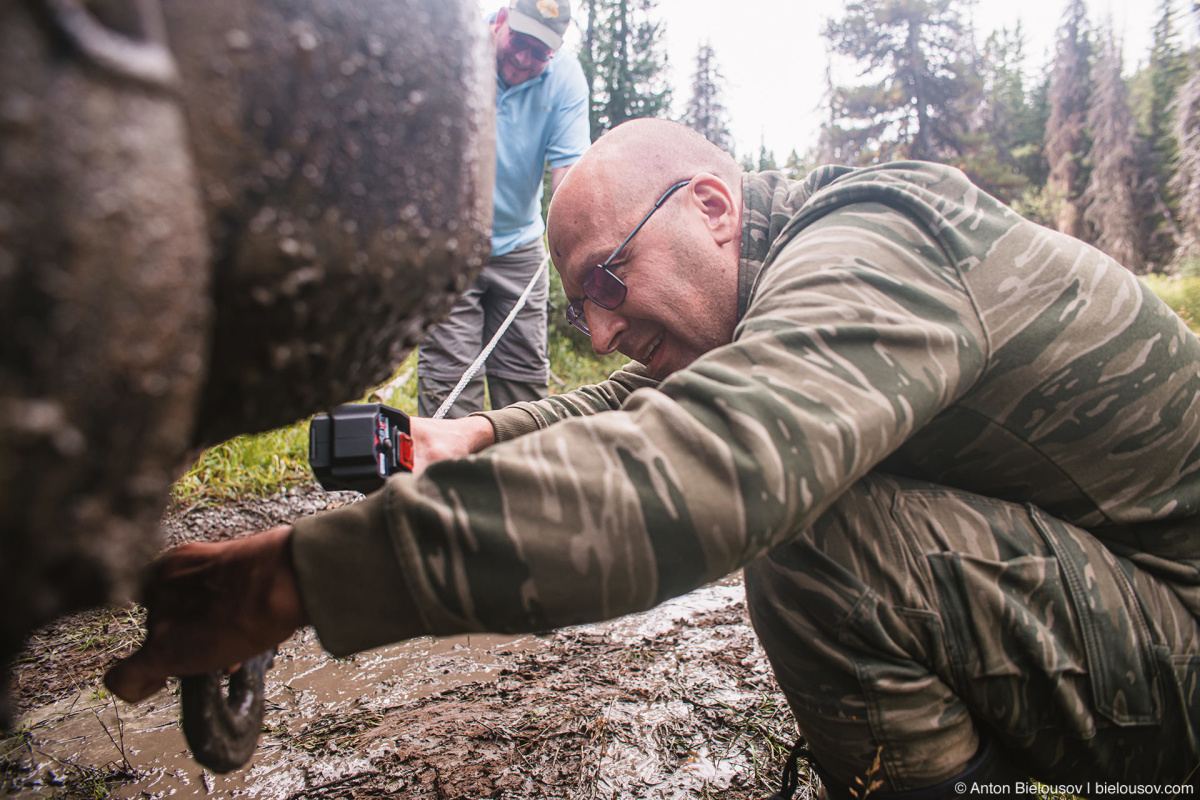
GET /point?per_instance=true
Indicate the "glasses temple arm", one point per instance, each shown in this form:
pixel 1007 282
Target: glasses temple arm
pixel 645 219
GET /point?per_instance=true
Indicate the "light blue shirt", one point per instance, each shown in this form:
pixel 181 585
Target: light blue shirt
pixel 544 119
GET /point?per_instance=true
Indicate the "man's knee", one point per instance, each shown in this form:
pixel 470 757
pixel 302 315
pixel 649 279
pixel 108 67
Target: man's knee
pixel 910 613
pixel 842 614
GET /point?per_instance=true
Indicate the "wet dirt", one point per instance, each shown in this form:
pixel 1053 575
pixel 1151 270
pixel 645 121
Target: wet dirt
pixel 677 702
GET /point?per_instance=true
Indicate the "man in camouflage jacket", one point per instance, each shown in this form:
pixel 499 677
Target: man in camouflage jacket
pixel 955 452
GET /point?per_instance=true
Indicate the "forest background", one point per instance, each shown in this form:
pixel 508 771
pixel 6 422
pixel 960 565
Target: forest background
pixel 1076 142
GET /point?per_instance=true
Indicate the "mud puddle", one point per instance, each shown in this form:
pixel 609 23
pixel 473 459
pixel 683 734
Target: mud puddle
pixel 317 707
pixel 678 702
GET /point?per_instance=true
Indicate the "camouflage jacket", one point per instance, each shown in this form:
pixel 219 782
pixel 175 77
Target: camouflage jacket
pixel 895 318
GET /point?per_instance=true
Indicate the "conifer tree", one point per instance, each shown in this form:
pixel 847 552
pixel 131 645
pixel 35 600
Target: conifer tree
pixel 705 112
pixel 1066 140
pixel 625 62
pixel 923 85
pixel 1108 200
pixel 1168 70
pixel 1186 182
pixel 1006 151
pixel 794 166
pixel 766 158
pixel 1165 73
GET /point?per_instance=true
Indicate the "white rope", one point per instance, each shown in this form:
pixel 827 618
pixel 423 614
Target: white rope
pixel 487 351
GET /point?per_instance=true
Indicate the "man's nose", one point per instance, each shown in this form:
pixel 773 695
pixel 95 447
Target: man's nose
pixel 522 56
pixel 606 328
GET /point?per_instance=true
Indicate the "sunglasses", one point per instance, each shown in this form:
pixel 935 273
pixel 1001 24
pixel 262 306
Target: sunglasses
pixel 601 286
pixel 538 51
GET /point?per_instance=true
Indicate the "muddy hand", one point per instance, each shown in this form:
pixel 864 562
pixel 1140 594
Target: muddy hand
pixel 211 606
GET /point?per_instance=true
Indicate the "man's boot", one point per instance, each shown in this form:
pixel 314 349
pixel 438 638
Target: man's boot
pixel 990 766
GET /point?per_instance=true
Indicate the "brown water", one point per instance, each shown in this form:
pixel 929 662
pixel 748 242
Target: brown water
pixel 321 712
pixel 305 684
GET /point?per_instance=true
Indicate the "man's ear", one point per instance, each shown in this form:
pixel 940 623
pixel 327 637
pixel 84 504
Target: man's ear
pixel 717 201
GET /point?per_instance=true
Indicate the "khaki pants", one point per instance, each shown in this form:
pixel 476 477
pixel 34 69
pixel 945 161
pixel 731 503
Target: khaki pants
pixel 519 367
pixel 912 617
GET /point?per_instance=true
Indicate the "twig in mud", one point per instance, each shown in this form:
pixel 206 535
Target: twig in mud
pixel 347 781
pixel 121 736
pixel 125 765
pixel 337 731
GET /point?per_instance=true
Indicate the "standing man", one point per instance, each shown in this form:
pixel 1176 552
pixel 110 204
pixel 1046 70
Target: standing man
pixel 541 117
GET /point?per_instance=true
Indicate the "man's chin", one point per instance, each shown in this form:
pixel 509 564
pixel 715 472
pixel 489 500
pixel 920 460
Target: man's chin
pixel 660 372
pixel 516 77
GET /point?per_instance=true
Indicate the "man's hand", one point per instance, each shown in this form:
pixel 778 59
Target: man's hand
pixel 211 606
pixel 435 439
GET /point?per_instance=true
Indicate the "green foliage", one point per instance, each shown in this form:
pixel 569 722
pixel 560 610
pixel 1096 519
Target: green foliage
pixel 705 113
pixel 921 81
pixel 1036 204
pixel 1182 294
pixel 1168 70
pixel 795 167
pixel 1005 153
pixel 259 464
pixel 1066 129
pixel 624 60
pixel 1157 86
pixel 1110 200
pixel 1186 182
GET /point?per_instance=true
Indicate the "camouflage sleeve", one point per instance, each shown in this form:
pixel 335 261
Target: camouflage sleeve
pixel 521 418
pixel 843 353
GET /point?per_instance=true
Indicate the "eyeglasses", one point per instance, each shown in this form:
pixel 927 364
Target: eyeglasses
pixel 601 286
pixel 538 51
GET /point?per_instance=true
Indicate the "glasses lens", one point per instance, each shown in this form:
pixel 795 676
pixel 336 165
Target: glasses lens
pixel 575 316
pixel 537 51
pixel 604 289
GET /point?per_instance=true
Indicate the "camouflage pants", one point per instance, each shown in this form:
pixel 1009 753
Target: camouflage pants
pixel 911 619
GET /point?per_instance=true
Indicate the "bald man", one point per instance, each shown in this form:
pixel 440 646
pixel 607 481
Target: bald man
pixel 954 452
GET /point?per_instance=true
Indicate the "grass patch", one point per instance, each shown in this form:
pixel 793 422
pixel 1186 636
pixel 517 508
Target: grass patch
pixel 571 368
pixel 261 464
pixel 1182 294
pixel 264 464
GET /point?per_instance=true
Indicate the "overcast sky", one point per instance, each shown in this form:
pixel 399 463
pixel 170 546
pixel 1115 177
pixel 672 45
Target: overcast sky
pixel 773 57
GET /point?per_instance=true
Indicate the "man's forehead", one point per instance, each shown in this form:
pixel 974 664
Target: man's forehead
pixel 585 242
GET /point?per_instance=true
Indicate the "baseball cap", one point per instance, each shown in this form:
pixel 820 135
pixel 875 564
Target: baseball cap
pixel 545 20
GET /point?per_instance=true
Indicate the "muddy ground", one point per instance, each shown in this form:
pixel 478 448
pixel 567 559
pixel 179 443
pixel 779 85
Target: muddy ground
pixel 678 702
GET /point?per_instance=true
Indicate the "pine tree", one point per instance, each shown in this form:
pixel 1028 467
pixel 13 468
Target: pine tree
pixel 1108 200
pixel 705 113
pixel 1186 182
pixel 766 158
pixel 1006 151
pixel 624 60
pixel 1066 140
pixel 1168 70
pixel 794 167
pixel 1164 75
pixel 920 61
